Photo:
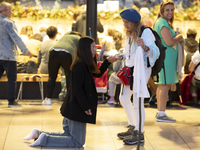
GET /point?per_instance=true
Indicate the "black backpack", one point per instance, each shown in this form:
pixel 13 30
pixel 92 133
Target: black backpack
pixel 159 64
pixel 31 67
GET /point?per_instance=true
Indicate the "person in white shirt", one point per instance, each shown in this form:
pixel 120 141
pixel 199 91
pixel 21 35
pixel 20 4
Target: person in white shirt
pixel 194 66
pixel 143 47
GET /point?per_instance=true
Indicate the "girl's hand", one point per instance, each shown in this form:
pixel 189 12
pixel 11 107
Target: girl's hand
pixel 88 112
pixel 112 59
pixel 140 42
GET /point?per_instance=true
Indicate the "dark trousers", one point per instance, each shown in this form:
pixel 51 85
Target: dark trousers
pixel 58 59
pixel 11 70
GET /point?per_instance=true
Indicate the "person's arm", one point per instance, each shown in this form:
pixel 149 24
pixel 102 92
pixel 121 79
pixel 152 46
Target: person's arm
pixel 167 37
pixel 147 42
pixel 13 33
pixel 105 65
pixel 191 66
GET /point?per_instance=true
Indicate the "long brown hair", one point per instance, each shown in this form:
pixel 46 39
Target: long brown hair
pixel 84 53
pixel 136 31
pixel 161 11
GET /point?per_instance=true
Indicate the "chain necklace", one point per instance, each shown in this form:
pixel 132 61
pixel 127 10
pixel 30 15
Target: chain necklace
pixel 130 43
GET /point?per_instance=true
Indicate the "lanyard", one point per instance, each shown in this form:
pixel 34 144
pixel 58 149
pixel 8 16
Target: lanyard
pixel 130 42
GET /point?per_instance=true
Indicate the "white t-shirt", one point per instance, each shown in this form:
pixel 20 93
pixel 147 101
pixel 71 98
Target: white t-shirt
pixel 196 60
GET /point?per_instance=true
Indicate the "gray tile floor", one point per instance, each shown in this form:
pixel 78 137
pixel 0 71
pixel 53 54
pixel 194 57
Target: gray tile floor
pixel 16 123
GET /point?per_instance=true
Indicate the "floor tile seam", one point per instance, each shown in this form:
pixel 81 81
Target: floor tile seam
pixel 183 114
pixel 179 135
pixel 112 137
pixel 8 128
pixel 108 130
pixel 148 140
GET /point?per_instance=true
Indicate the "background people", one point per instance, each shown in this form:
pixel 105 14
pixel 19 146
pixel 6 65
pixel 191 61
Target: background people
pixel 113 80
pixel 134 46
pixel 61 54
pixel 80 25
pixel 168 76
pixel 191 83
pixel 43 56
pixel 190 47
pixel 76 14
pixel 9 40
pixel 80 105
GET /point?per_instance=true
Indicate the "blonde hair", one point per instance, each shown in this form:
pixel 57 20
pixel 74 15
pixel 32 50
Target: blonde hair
pixel 144 13
pixel 136 31
pixel 161 11
pixel 108 43
pixel 76 14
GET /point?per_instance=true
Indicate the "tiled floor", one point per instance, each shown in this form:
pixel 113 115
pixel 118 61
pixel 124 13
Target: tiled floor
pixel 16 123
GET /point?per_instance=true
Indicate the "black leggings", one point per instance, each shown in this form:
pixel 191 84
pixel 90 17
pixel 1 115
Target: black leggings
pixel 58 59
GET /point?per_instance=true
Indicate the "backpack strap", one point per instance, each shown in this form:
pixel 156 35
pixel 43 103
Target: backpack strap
pixel 193 72
pixel 141 31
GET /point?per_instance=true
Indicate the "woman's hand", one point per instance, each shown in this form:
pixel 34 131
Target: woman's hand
pixel 180 37
pixel 140 42
pixel 88 112
pixel 112 59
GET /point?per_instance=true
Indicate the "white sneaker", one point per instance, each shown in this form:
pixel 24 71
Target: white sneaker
pixel 47 101
pixel 111 101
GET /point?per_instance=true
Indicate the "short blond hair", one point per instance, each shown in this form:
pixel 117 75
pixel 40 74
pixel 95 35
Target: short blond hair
pixel 108 43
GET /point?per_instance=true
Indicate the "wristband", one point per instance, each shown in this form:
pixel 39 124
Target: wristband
pixel 146 49
pixel 121 56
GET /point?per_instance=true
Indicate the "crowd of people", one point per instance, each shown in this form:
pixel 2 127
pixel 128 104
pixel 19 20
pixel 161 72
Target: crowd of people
pixel 74 55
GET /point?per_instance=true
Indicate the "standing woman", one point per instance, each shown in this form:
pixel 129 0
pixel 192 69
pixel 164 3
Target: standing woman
pixel 146 47
pixel 80 104
pixel 165 29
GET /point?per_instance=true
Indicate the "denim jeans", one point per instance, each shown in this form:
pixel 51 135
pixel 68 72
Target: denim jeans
pixel 73 136
pixel 11 70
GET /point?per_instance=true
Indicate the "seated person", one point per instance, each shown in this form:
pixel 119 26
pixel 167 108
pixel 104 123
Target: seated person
pixel 108 52
pixel 33 44
pixel 29 30
pixel 113 80
pixel 190 47
pixel 195 83
pixel 43 30
pixel 117 38
pixel 43 55
pixel 191 83
pixel 23 33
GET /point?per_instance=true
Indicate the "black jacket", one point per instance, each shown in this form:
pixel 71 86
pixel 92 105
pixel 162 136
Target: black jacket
pixel 82 94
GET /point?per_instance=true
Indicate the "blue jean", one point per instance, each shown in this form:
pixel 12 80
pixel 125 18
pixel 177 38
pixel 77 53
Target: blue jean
pixel 11 70
pixel 73 136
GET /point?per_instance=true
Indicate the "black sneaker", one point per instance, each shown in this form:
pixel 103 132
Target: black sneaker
pixel 126 134
pixel 134 138
pixel 13 104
